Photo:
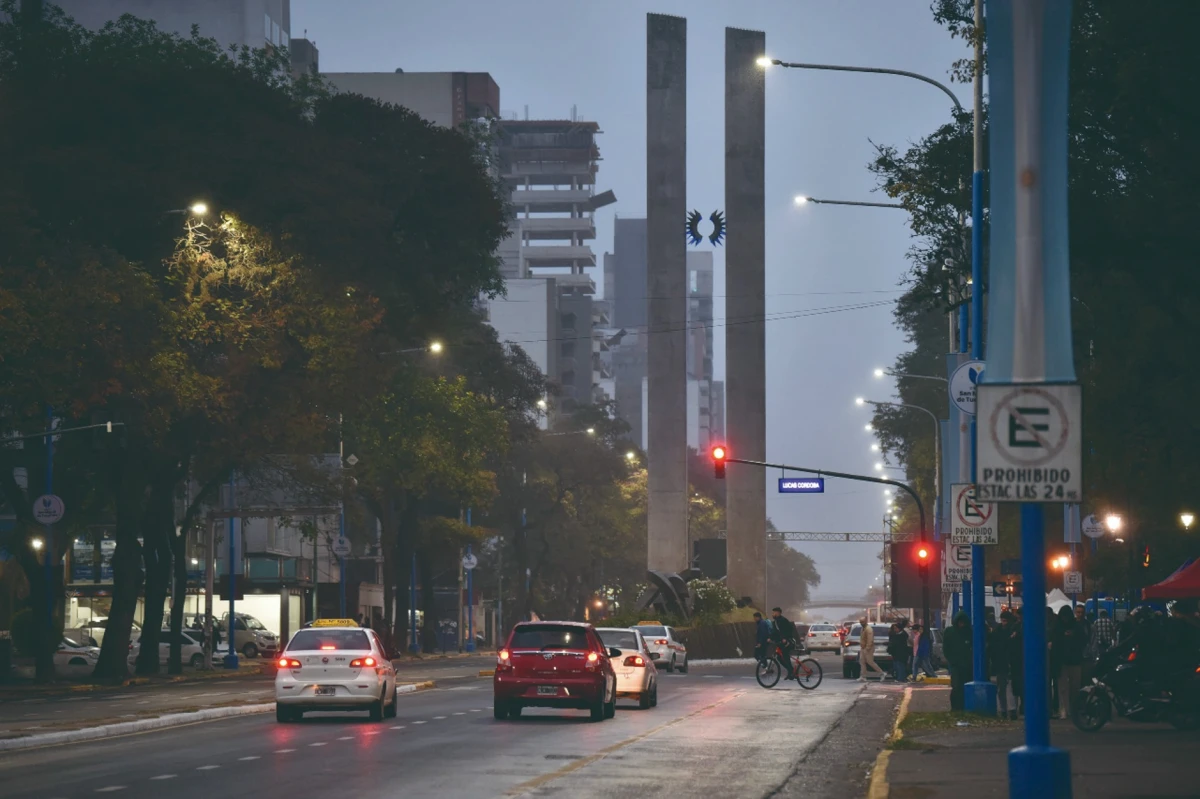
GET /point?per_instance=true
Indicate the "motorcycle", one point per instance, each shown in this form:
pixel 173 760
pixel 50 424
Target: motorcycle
pixel 1121 684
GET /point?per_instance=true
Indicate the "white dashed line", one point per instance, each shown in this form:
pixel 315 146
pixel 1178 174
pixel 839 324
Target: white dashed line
pixel 283 751
pixel 398 727
pixel 346 738
pixel 165 777
pixel 371 732
pixel 476 710
pixel 418 722
pixel 110 788
pixel 460 713
pixel 206 768
pixel 319 743
pixel 250 757
pixel 438 718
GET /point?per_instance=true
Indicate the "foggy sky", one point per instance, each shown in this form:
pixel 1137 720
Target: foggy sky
pixel 551 55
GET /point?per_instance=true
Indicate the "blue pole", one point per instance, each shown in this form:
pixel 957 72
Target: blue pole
pixel 412 607
pixel 231 660
pixel 1036 763
pixel 470 599
pixel 50 552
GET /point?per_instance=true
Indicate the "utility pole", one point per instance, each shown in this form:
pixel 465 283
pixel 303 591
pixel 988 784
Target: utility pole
pixel 210 567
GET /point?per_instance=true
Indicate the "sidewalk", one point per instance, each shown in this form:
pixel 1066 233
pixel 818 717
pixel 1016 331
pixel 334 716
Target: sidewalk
pixel 937 758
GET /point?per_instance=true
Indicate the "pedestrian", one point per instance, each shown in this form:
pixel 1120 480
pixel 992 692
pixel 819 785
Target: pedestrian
pixel 1104 634
pixel 762 635
pixel 866 651
pixel 1000 656
pixel 1016 661
pixel 897 648
pixel 922 652
pixel 1069 641
pixel 957 646
pixel 1053 660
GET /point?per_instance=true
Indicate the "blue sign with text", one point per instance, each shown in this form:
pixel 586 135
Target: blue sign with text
pixel 801 485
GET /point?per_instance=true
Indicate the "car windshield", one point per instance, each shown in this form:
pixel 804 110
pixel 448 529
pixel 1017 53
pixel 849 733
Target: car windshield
pixel 254 624
pixel 650 631
pixel 546 636
pixel 822 628
pixel 70 642
pixel 328 639
pixel 621 639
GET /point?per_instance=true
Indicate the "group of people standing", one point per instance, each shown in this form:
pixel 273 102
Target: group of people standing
pixel 910 648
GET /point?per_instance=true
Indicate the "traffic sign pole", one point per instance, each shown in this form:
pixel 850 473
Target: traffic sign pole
pixel 470 566
pixel 49 551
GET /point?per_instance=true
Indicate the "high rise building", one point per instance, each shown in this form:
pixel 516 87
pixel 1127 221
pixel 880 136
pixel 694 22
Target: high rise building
pixel 253 23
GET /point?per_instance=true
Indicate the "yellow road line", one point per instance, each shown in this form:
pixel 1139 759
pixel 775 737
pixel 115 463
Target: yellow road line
pixel 878 787
pixel 538 782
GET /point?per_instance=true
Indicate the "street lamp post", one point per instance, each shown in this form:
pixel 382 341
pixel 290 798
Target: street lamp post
pixel 937 450
pixel 906 376
pixel 801 199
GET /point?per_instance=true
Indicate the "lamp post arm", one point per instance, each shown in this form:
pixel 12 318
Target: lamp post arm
pixel 878 71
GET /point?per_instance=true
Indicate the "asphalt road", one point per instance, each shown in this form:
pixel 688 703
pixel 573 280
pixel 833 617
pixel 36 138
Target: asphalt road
pixel 715 733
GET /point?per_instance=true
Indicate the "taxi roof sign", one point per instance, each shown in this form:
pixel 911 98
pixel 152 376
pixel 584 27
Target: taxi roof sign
pixel 649 624
pixel 335 623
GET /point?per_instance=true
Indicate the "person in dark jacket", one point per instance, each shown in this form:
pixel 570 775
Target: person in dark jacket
pixel 783 633
pixel 1066 648
pixel 898 647
pixel 762 635
pixel 957 647
pixel 999 651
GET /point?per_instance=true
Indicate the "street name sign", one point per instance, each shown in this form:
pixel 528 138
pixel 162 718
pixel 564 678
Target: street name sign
pixel 341 546
pixel 958 562
pixel 962 385
pixel 801 485
pixel 1072 582
pixel 974 521
pixel 1006 589
pixel 48 509
pixel 1029 444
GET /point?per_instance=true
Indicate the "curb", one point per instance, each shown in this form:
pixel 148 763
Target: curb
pixel 936 681
pixel 35 691
pixel 159 723
pixel 488 673
pixel 878 787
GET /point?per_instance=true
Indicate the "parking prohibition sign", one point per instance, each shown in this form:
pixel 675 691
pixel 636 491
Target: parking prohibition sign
pixel 1029 443
pixel 974 521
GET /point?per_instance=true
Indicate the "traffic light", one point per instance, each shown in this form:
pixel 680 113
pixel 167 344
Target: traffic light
pixel 718 456
pixel 923 561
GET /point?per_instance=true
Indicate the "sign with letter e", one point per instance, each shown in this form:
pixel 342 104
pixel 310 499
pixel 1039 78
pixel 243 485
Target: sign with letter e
pixel 974 521
pixel 1029 443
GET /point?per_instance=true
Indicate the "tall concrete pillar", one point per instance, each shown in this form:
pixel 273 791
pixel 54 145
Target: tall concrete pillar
pixel 745 302
pixel 666 290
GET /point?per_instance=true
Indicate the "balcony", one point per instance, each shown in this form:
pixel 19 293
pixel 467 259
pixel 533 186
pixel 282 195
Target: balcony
pixel 551 200
pixel 551 228
pixel 574 283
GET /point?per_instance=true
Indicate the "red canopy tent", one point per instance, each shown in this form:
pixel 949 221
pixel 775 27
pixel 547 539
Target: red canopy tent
pixel 1183 584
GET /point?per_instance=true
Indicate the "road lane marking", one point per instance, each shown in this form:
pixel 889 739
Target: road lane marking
pixel 476 710
pixel 346 738
pixel 250 757
pixel 165 777
pixel 319 743
pixel 538 782
pixel 283 751
pixel 460 713
pixel 206 768
pixel 398 727
pixel 110 788
pixel 438 718
pixel 418 722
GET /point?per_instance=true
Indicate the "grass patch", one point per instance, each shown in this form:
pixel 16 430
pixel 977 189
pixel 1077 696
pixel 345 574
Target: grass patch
pixel 948 720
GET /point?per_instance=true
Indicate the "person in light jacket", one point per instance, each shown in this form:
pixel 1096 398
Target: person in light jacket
pixel 866 652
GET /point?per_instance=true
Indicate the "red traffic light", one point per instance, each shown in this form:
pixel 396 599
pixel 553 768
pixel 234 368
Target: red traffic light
pixel 923 554
pixel 718 456
pixel 718 453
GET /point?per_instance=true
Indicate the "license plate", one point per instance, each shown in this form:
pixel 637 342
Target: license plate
pixel 326 690
pixel 547 690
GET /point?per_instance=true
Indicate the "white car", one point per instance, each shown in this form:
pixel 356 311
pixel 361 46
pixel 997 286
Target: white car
pixel 637 678
pixel 92 632
pixel 665 647
pixel 190 650
pixel 334 665
pixel 72 653
pixel 824 637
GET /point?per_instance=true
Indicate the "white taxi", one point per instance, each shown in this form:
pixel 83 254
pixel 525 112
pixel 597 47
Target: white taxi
pixel 334 665
pixel 636 676
pixel 665 647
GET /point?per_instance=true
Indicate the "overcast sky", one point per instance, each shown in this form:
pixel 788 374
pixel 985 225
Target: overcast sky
pixel 552 55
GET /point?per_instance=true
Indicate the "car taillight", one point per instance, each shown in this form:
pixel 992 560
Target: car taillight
pixel 661 641
pixel 812 635
pixel 593 657
pixel 289 663
pixel 504 660
pixel 359 663
pixel 1132 656
pixel 635 660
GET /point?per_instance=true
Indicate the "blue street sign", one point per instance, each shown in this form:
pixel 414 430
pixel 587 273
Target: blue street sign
pixel 801 485
pixel 1001 589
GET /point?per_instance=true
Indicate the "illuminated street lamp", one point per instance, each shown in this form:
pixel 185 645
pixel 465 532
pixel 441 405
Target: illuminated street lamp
pixel 1187 519
pixel 37 544
pixel 541 404
pixel 630 455
pixel 1113 522
pixel 436 347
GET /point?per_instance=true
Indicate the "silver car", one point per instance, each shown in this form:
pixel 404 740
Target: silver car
pixel 664 645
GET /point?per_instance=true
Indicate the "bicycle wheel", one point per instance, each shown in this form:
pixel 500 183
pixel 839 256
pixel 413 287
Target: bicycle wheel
pixel 808 673
pixel 767 672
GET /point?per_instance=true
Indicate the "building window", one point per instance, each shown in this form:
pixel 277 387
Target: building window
pixel 267 27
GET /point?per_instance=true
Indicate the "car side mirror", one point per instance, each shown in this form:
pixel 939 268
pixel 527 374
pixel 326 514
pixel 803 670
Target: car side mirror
pixel 613 652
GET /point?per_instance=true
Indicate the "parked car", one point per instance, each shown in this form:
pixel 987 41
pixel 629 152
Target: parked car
pixel 92 632
pixel 850 667
pixel 252 638
pixel 73 653
pixel 190 650
pixel 637 678
pixel 665 647
pixel 823 637
pixel 558 664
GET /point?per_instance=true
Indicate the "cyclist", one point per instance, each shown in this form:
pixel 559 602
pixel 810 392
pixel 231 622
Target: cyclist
pixel 762 636
pixel 783 633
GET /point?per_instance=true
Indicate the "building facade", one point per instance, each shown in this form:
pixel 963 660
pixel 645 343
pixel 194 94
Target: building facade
pixel 252 23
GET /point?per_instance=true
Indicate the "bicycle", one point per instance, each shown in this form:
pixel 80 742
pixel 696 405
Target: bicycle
pixel 768 671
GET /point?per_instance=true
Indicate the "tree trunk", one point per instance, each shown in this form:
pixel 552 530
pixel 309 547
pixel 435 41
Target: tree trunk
pixel 157 532
pixel 429 631
pixel 45 638
pixel 178 595
pixel 387 548
pixel 127 576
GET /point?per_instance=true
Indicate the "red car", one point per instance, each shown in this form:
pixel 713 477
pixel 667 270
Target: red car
pixel 560 664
